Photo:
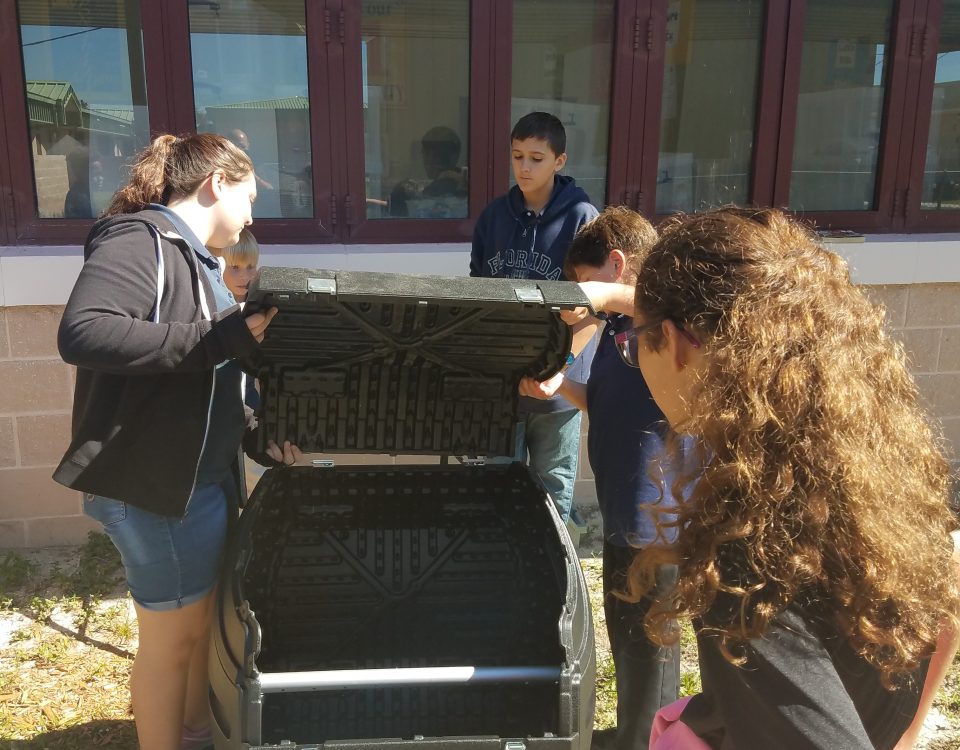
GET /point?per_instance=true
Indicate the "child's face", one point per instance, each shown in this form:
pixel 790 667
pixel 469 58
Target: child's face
pixel 237 275
pixel 610 271
pixel 535 164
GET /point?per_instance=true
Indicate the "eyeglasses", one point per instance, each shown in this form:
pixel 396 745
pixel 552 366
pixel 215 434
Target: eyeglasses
pixel 628 342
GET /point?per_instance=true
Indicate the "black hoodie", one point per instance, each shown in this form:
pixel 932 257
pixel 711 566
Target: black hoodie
pixel 139 331
pixel 510 241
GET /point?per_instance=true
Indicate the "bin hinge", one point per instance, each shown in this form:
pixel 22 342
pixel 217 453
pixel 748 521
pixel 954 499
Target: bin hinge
pixel 529 295
pixel 333 210
pixel 322 463
pixel 324 286
pixel 472 460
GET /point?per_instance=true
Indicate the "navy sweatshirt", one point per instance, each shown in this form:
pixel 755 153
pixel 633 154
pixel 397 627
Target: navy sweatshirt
pixel 510 241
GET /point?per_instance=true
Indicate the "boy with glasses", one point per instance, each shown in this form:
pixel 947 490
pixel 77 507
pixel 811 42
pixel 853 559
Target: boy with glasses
pixel 624 435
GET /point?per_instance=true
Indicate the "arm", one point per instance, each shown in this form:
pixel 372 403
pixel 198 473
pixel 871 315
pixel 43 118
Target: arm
pixel 604 297
pixel 106 324
pixel 940 663
pixel 571 390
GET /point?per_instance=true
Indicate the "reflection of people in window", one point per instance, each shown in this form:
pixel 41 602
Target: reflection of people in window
pixel 242 141
pixel 77 204
pixel 440 148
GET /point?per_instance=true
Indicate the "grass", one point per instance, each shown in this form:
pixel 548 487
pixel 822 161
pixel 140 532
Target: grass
pixel 68 635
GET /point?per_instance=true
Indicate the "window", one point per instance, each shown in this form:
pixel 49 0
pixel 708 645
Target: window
pixel 562 55
pixel 843 79
pixel 941 173
pixel 388 121
pixel 250 85
pixel 416 108
pixel 707 109
pixel 86 100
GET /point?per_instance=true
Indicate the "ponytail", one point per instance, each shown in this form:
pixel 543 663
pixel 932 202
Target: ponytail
pixel 175 167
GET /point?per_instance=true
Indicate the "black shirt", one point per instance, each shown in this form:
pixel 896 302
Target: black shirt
pixel 803 687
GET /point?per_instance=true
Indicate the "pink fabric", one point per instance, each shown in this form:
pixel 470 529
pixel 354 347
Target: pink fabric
pixel 670 733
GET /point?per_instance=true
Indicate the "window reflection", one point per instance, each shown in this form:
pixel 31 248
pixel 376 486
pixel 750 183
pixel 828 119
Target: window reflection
pixel 843 76
pixel 250 85
pixel 941 175
pixel 562 65
pixel 709 103
pixel 416 106
pixel 86 100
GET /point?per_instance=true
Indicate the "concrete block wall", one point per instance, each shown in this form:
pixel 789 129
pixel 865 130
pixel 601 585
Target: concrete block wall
pixel 36 389
pixel 926 318
pixel 36 392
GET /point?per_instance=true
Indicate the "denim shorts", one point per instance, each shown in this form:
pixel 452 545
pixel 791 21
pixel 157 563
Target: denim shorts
pixel 169 562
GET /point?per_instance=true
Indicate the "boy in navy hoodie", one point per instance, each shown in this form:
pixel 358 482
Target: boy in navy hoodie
pixel 524 235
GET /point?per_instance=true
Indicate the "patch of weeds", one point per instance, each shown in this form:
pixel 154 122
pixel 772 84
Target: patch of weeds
pixel 41 608
pixel 15 573
pixel 97 572
pixel 690 684
pixel 606 711
pixel 948 698
pixel 116 622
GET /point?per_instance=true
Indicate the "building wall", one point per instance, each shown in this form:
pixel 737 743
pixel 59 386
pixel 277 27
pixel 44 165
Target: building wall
pixel 37 387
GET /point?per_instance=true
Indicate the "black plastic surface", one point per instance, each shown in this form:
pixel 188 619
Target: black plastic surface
pixel 361 568
pixel 386 363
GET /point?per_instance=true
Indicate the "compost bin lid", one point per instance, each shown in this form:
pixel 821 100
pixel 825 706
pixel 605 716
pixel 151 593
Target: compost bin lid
pixel 358 362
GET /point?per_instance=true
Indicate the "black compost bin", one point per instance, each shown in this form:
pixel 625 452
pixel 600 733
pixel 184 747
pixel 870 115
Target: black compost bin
pixel 434 606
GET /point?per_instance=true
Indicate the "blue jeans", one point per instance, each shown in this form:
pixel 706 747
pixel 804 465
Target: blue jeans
pixel 553 443
pixel 169 562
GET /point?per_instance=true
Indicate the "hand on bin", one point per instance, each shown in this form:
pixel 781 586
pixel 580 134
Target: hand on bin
pixel 258 322
pixel 540 389
pixel 289 455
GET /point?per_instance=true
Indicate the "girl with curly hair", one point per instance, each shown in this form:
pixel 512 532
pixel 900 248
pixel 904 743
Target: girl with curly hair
pixel 814 531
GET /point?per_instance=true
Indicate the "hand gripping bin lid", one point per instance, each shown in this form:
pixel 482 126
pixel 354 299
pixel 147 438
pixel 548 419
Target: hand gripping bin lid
pixel 433 606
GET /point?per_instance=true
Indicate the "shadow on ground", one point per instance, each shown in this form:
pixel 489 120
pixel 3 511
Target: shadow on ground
pixel 101 734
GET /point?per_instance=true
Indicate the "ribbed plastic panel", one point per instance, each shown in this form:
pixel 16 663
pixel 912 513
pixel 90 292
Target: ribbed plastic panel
pixel 386 363
pixel 355 568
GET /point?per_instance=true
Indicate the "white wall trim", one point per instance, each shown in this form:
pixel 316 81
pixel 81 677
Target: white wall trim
pixel 45 275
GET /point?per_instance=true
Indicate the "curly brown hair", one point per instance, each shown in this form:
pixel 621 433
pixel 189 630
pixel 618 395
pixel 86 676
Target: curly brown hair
pixel 616 227
pixel 818 477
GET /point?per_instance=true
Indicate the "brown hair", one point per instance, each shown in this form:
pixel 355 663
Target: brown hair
pixel 818 476
pixel 172 167
pixel 616 228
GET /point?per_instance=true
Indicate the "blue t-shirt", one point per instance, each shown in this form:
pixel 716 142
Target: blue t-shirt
pixel 626 432
pixel 227 424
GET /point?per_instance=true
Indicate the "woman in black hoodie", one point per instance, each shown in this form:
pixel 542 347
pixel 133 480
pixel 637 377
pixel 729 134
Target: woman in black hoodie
pixel 158 415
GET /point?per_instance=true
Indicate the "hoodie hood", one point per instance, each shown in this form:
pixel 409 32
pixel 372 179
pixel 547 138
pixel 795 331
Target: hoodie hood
pixel 513 242
pixel 566 194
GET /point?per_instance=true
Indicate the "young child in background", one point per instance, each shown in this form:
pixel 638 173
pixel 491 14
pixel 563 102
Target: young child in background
pixel 524 235
pixel 625 434
pixel 240 264
pixel 813 546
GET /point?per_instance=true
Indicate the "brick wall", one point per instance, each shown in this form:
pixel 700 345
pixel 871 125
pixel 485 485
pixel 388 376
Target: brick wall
pixel 36 389
pixel 926 318
pixel 36 393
